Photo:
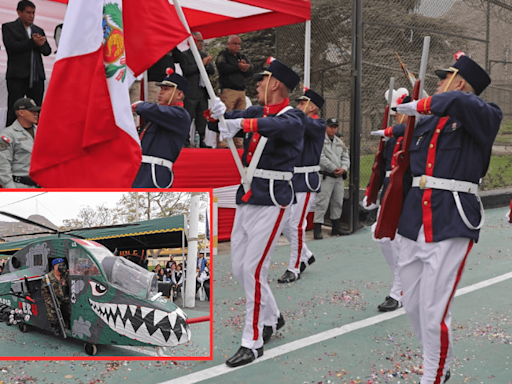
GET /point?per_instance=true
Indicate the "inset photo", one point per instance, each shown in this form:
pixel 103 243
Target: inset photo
pixel 105 274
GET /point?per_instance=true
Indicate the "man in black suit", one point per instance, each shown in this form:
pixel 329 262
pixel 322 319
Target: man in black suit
pixel 24 43
pixel 196 101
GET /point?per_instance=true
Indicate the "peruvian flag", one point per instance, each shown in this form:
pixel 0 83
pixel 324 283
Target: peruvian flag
pixel 86 137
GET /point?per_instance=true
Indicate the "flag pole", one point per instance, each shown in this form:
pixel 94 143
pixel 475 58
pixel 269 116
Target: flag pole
pixel 197 57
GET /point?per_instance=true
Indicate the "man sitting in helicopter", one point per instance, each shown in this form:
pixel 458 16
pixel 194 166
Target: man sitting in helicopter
pixel 60 283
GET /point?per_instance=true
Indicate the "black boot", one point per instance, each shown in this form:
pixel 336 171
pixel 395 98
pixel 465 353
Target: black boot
pixel 318 231
pixel 337 230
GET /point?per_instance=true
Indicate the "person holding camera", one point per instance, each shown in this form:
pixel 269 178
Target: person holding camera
pixel 60 283
pixel 334 163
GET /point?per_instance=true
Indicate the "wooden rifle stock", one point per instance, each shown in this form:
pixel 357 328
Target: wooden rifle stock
pixel 392 203
pixel 375 179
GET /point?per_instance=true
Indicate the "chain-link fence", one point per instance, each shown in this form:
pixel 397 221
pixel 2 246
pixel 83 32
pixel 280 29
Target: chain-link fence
pixel 480 28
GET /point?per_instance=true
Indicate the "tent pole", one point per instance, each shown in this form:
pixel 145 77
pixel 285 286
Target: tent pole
pixel 190 286
pixel 146 86
pixel 211 93
pixel 307 55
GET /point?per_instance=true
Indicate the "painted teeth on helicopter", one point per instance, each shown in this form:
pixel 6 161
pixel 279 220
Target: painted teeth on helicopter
pixel 144 324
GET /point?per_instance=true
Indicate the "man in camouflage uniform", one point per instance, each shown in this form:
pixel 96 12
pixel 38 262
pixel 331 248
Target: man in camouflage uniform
pixel 60 283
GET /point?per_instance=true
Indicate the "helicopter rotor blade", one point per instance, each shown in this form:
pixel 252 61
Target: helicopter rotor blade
pixel 30 234
pixel 27 221
pixel 104 227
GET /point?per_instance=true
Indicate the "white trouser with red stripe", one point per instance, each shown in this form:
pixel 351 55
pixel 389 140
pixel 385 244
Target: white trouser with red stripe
pixel 294 229
pixel 391 250
pixel 430 273
pixel 256 230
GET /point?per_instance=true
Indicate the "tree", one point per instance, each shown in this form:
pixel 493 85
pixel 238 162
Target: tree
pixel 151 205
pixel 91 217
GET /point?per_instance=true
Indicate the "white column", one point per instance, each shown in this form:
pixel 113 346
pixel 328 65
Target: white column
pixel 307 54
pixel 190 282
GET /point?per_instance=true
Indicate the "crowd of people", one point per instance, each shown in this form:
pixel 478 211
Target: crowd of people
pixel 175 274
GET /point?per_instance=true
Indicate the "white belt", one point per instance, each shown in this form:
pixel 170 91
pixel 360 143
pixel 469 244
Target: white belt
pixel 388 173
pixel 454 186
pixel 308 169
pixel 273 175
pixel 158 161
pixel 426 182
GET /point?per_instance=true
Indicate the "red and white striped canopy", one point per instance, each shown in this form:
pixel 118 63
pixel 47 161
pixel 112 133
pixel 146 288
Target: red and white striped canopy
pixel 213 18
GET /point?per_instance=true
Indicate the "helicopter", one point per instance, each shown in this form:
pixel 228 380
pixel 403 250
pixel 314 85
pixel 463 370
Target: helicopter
pixel 113 300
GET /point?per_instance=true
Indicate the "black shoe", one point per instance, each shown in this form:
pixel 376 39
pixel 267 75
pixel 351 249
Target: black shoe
pixel 268 330
pixel 318 231
pixel 303 265
pixel 243 356
pixel 288 277
pixel 337 230
pixel 56 330
pixel 389 305
pixel 202 144
pixel 447 376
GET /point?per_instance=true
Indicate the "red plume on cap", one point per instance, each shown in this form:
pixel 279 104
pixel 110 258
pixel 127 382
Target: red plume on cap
pixel 401 99
pixel 169 71
pixel 305 89
pixel 458 55
pixel 269 60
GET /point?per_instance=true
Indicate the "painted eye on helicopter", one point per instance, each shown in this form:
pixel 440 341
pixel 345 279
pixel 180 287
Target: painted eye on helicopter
pixel 97 288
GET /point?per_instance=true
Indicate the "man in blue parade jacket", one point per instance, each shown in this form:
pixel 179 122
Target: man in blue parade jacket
pixel 164 134
pixel 260 209
pixel 442 214
pixel 306 182
pixel 391 248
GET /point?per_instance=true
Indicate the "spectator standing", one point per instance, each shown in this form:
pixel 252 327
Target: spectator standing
pixel 24 43
pixel 16 143
pixel 196 101
pixel 234 70
pixel 334 163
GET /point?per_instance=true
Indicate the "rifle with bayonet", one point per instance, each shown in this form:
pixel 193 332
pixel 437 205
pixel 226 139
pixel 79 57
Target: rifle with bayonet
pixel 375 178
pixel 409 76
pixel 392 203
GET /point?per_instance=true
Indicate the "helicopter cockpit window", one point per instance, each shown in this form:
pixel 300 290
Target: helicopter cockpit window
pixel 133 279
pixel 81 264
pixel 38 259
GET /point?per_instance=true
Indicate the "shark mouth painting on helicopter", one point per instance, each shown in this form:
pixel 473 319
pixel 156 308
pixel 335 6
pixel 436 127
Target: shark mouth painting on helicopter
pixel 147 325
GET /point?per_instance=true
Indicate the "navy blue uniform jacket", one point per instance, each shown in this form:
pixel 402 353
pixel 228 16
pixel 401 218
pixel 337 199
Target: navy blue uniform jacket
pixel 164 138
pixel 285 135
pixel 459 149
pixel 314 135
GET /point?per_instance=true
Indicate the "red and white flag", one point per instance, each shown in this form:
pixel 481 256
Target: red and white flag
pixel 86 137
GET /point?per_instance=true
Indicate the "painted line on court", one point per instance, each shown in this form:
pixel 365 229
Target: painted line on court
pixel 319 337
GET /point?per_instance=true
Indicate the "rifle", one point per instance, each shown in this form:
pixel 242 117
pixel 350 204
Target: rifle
pixel 392 203
pixel 375 179
pixel 409 76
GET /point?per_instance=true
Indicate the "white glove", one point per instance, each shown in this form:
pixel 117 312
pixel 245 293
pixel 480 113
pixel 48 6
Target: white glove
pixel 218 109
pixel 231 129
pixel 367 207
pixel 409 109
pixel 380 133
pixel 507 218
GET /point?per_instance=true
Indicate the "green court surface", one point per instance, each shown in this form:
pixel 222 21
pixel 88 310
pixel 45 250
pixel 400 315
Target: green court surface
pixel 333 331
